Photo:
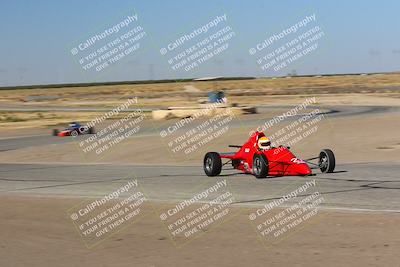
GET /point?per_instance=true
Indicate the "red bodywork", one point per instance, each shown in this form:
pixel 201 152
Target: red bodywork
pixel 64 133
pixel 281 162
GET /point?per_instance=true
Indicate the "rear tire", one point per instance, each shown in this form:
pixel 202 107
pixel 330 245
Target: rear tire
pixel 212 164
pixel 55 132
pixel 327 161
pixel 260 166
pixel 74 133
pixel 91 130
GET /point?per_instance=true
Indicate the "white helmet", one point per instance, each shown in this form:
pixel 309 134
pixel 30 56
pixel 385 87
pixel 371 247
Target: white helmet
pixel 264 143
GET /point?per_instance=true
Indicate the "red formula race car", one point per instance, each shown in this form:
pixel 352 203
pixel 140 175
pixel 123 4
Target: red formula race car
pixel 74 129
pixel 267 160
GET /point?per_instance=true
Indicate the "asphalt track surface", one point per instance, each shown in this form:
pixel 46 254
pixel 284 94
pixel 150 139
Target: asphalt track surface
pixel 373 187
pixel 367 187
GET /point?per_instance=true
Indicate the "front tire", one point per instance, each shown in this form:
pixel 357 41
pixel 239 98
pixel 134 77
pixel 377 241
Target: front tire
pixel 212 164
pixel 55 132
pixel 260 166
pixel 327 161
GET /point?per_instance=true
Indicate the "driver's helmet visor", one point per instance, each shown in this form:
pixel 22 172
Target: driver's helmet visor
pixel 265 144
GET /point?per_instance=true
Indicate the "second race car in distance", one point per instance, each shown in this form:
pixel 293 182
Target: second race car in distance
pixel 74 129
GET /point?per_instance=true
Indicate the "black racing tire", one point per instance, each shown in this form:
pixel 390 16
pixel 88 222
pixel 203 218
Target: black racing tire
pixel 260 166
pixel 212 164
pixel 327 161
pixel 55 132
pixel 91 130
pixel 74 133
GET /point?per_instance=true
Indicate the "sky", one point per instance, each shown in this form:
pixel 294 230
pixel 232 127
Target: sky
pixel 37 39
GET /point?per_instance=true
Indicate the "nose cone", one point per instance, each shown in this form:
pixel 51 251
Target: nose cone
pixel 304 169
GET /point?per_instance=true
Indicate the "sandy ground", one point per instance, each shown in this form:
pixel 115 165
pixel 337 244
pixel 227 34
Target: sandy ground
pixel 38 232
pixel 368 138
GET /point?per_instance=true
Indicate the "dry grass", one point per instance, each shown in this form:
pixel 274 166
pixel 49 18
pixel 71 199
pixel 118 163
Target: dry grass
pixel 294 85
pixel 330 90
pixel 42 119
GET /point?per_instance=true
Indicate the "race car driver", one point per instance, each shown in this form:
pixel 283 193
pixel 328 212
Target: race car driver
pixel 264 143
